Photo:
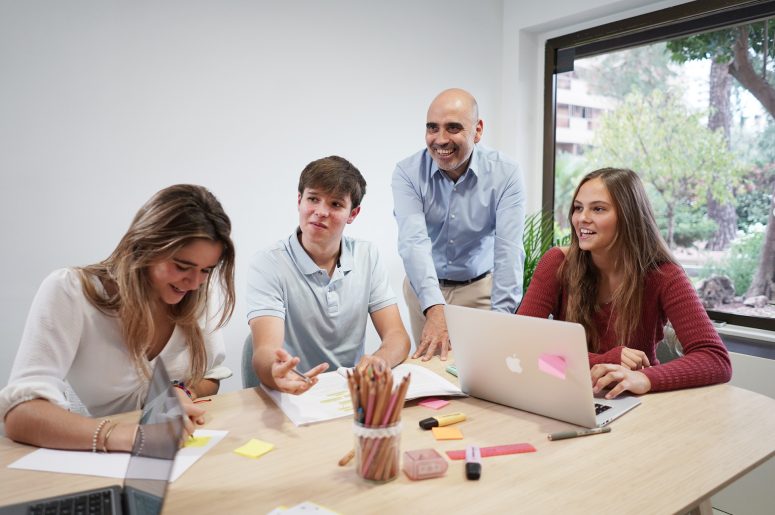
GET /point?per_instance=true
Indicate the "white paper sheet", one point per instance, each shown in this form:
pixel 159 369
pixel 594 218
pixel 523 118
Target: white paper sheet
pixel 327 400
pixel 111 464
pixel 330 398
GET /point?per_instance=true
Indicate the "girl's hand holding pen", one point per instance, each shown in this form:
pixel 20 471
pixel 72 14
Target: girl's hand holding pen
pixel 290 380
pixel 195 415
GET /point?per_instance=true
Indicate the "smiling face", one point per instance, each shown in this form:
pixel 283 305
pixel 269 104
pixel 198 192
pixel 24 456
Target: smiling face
pixel 186 270
pixel 452 129
pixel 594 217
pixel 323 216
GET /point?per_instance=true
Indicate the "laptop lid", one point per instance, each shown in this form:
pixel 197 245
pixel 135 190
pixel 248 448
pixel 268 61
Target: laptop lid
pixel 152 458
pixel 532 364
pixel 156 444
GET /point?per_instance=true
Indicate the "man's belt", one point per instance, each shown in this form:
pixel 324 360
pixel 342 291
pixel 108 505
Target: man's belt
pixel 450 282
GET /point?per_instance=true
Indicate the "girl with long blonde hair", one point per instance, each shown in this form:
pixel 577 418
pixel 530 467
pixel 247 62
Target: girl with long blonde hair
pixel 97 330
pixel 619 280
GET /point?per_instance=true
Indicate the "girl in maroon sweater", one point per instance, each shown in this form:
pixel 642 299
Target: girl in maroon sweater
pixel 619 280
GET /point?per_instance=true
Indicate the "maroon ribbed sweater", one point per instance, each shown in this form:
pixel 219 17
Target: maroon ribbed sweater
pixel 668 295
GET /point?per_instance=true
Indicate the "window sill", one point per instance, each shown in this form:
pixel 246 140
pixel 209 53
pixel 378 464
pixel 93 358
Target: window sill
pixel 748 333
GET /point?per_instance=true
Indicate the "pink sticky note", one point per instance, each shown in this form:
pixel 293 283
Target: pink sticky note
pixel 552 364
pixel 434 403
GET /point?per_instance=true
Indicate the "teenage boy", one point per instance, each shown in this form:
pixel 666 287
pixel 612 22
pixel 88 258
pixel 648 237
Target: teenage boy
pixel 309 294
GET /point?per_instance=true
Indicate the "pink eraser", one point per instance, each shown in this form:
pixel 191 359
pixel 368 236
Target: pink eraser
pixel 424 464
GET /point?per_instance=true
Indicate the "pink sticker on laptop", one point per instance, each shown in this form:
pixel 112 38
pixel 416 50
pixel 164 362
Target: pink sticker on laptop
pixel 434 403
pixel 552 364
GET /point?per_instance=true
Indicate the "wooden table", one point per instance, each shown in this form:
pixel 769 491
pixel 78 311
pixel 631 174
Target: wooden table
pixel 668 455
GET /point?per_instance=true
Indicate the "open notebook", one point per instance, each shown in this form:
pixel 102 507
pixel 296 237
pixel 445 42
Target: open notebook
pixel 330 398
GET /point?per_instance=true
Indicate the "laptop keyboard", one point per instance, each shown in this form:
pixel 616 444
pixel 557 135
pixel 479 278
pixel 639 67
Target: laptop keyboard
pixel 599 408
pixel 96 503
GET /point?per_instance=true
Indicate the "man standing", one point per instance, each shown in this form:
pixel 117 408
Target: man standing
pixel 460 209
pixel 309 295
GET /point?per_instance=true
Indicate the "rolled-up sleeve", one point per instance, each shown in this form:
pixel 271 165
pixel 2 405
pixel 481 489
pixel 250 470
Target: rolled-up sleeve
pixel 215 347
pixel 48 346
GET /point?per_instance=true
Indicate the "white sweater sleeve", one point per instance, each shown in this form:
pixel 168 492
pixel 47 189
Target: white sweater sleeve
pixel 214 344
pixel 49 343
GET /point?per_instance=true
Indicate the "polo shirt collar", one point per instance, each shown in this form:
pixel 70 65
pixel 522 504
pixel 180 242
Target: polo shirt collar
pixel 308 266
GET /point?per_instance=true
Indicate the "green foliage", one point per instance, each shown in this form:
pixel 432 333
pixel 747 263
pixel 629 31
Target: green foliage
pixel 764 150
pixel 753 208
pixel 703 46
pixel 671 149
pixel 690 226
pixel 718 44
pixel 537 239
pixel 741 260
pixel 635 70
pixel 568 171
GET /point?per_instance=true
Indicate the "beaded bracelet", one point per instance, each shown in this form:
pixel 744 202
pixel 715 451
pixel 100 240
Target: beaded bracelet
pixel 96 434
pixel 139 450
pixel 107 435
pixel 182 386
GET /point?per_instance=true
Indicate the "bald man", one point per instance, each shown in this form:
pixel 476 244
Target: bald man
pixel 460 209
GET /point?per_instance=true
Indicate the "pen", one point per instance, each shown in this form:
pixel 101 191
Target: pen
pixel 581 432
pixel 296 371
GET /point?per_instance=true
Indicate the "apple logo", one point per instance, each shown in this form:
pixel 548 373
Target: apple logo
pixel 513 364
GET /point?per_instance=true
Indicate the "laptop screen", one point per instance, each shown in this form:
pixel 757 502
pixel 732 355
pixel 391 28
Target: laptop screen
pixel 156 444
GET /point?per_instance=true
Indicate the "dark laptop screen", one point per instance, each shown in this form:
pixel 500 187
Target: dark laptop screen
pixel 156 444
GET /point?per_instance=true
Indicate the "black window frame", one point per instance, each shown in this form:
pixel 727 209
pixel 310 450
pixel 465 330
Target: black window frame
pixel 674 22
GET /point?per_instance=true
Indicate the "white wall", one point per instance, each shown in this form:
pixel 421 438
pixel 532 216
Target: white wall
pixel 104 103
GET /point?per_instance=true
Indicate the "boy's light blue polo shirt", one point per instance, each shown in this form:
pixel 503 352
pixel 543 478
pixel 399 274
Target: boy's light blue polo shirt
pixel 325 318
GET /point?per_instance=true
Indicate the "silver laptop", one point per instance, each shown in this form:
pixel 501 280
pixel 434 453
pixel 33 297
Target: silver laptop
pixel 149 469
pixel 531 364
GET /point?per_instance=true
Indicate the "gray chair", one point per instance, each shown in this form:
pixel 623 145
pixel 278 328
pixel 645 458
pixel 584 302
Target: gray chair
pixel 249 377
pixel 669 348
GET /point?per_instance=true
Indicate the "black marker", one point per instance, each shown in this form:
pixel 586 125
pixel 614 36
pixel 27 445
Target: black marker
pixel 473 462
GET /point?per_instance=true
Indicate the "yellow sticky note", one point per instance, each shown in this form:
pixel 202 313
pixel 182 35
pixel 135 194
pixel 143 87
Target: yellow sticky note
pixel 197 441
pixel 254 448
pixel 447 433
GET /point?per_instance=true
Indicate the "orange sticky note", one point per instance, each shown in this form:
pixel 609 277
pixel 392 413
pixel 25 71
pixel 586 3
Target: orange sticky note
pixel 447 433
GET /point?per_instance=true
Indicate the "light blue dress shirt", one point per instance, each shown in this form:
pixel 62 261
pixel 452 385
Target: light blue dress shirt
pixel 325 317
pixel 460 230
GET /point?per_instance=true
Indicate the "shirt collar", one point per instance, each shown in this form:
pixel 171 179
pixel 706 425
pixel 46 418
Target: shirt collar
pixel 308 266
pixel 472 164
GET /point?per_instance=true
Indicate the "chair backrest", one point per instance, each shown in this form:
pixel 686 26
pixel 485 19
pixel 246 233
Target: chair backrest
pixel 249 377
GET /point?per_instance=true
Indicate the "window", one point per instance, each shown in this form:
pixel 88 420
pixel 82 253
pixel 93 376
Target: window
pixel 685 97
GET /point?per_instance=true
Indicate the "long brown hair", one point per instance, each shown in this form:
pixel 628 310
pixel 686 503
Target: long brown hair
pixel 638 246
pixel 171 219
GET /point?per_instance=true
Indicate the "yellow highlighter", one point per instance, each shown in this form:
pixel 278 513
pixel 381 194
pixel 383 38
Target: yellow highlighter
pixel 442 420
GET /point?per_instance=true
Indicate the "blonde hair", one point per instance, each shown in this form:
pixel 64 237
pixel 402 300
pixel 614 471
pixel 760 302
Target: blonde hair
pixel 639 248
pixel 171 219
